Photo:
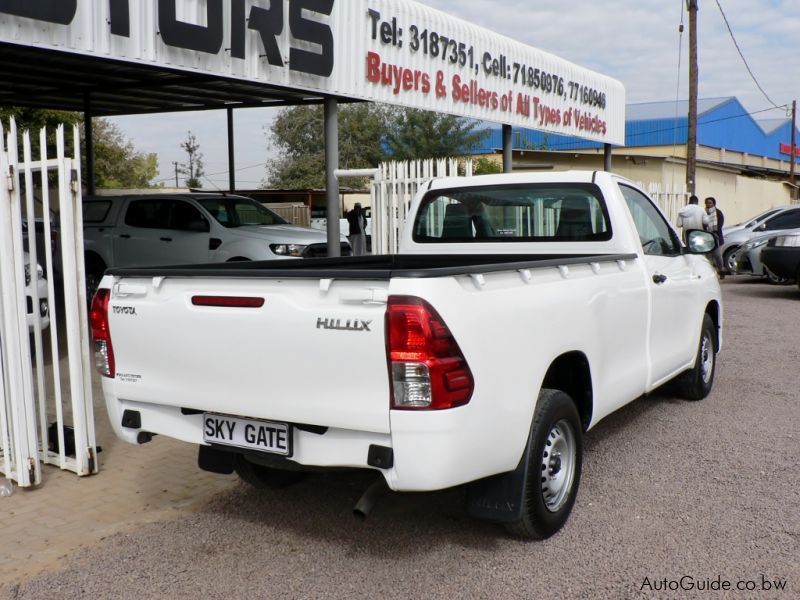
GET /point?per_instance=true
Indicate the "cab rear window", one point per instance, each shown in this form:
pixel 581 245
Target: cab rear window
pixel 513 213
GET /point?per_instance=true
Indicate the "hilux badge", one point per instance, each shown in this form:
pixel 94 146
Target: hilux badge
pixel 343 325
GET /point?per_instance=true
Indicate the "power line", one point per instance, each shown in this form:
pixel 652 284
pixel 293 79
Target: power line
pixel 678 84
pixel 253 166
pixel 739 50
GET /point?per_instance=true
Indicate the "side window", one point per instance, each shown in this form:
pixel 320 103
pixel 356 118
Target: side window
pixel 186 217
pixel 655 234
pixel 786 220
pixel 148 214
pixel 96 211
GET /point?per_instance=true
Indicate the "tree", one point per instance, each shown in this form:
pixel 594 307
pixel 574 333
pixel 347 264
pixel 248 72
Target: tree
pixel 414 133
pixel 368 135
pixel 117 164
pixel 486 166
pixel 298 135
pixel 193 168
pixel 33 119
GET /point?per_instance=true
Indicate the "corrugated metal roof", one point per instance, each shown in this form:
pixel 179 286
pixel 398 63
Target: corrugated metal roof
pixel 721 123
pixel 772 125
pixel 647 111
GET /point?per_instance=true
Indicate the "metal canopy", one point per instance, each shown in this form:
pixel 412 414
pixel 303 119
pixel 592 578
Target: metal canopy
pixel 40 78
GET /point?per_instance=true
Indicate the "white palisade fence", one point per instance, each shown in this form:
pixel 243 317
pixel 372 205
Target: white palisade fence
pixel 39 423
pixel 392 190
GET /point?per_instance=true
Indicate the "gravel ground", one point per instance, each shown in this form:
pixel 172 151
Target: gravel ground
pixel 670 489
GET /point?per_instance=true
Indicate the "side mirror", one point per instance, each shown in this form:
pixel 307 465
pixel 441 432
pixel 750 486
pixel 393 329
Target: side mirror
pixel 762 227
pixel 700 242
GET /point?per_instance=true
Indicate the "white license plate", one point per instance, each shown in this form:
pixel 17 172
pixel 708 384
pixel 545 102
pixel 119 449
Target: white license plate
pixel 265 436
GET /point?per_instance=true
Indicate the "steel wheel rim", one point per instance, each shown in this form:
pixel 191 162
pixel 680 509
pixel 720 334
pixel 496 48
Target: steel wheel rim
pixel 731 261
pixel 706 358
pixel 558 465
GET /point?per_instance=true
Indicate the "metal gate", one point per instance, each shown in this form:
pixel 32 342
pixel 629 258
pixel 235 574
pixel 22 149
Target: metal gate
pixel 46 415
pixel 393 188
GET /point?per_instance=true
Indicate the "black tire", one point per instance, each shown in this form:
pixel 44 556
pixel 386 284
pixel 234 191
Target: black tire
pixel 263 477
pixel 555 457
pixel 727 260
pixel 775 279
pixel 696 383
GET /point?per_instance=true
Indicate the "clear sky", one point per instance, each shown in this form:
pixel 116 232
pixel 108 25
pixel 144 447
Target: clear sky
pixel 635 41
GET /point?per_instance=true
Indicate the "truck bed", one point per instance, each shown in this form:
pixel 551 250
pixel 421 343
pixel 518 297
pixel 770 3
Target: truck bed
pixel 382 267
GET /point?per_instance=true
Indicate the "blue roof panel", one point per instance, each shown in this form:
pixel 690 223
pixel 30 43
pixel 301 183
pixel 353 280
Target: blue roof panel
pixel 721 123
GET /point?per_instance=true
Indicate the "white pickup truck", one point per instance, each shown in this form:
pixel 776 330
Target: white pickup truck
pixel 522 310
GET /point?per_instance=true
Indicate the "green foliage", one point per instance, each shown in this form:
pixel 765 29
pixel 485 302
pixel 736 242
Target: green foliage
pixel 298 134
pixel 416 134
pixel 486 166
pixel 33 119
pixel 117 164
pixel 368 135
pixel 193 167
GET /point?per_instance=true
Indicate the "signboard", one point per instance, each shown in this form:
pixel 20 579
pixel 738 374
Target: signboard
pixel 394 51
pixel 787 149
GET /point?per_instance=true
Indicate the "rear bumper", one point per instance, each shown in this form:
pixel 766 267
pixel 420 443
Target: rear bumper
pixel 783 261
pixel 431 451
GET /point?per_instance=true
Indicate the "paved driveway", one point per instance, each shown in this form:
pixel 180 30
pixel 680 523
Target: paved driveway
pixel 674 493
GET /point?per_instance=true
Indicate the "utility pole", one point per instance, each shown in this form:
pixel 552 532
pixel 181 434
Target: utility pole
pixel 691 137
pixel 793 147
pixel 175 164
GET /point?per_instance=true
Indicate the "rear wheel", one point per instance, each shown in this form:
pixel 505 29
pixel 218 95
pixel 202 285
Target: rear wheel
pixel 729 260
pixel 775 279
pixel 266 477
pixel 696 383
pixel 555 456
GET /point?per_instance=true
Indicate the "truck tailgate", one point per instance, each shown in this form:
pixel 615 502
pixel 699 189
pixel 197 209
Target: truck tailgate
pixel 308 355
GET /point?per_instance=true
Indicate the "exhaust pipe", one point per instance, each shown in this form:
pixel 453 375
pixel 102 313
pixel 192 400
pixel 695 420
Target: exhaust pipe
pixel 364 506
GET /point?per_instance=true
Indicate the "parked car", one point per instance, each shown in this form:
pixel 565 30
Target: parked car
pixel 752 221
pixel 189 228
pixel 747 259
pixel 782 256
pixel 36 277
pixel 786 218
pixel 41 246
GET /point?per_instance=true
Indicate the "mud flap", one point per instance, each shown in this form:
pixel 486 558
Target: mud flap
pixel 500 498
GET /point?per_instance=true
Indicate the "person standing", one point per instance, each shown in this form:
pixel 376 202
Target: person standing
pixel 714 223
pixel 692 216
pixel 358 230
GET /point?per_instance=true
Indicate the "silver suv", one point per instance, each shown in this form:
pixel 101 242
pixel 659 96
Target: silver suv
pixel 173 229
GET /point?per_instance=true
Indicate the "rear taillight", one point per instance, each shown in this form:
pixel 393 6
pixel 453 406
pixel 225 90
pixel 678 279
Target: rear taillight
pixel 101 336
pixel 426 367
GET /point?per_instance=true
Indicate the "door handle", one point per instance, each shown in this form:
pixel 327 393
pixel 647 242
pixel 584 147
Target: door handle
pixel 166 239
pixel 124 236
pixel 658 278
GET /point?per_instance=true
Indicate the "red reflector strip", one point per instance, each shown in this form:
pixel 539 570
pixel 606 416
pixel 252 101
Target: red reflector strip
pixel 228 301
